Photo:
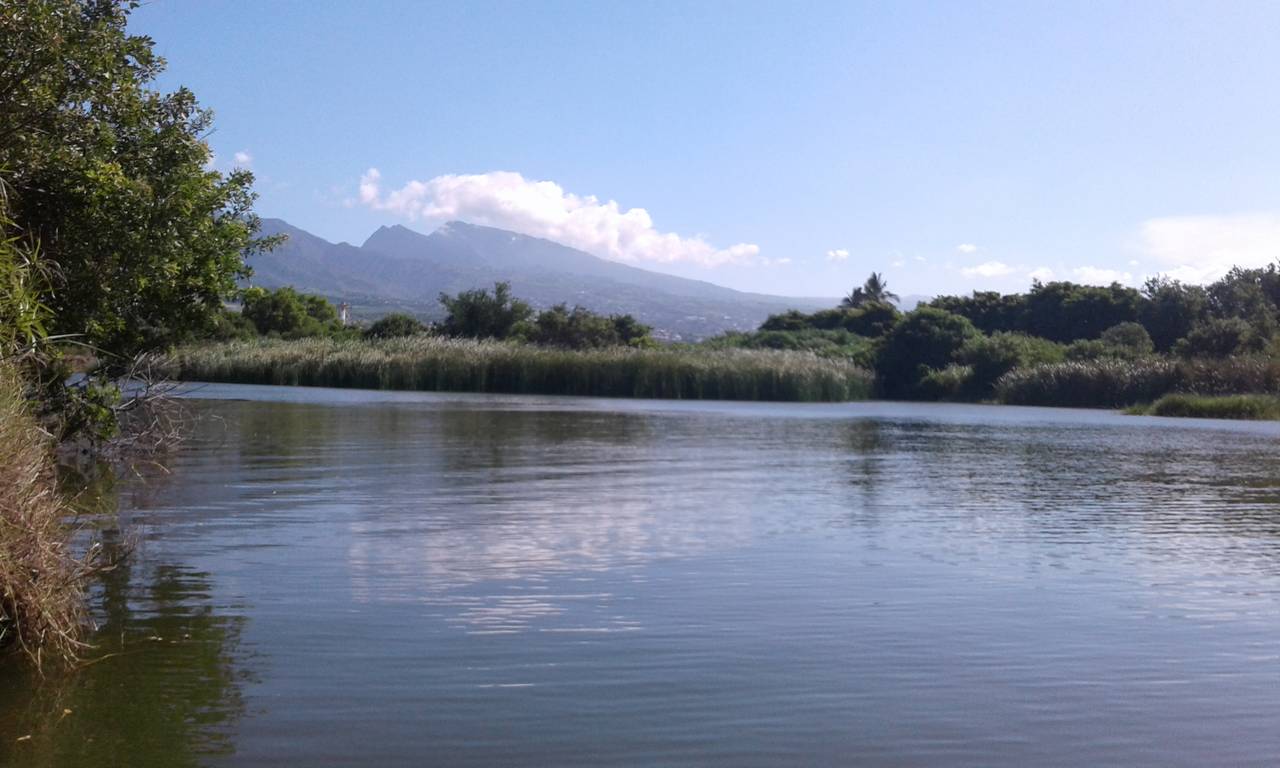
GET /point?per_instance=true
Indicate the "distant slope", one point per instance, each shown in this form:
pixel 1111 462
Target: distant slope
pixel 399 269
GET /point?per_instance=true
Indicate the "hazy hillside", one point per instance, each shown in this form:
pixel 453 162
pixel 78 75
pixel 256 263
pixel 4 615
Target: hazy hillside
pixel 399 269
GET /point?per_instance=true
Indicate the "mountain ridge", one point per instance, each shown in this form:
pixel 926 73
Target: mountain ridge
pixel 400 269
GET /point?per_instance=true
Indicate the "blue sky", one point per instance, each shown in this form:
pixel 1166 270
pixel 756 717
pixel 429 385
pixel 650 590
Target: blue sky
pixel 786 148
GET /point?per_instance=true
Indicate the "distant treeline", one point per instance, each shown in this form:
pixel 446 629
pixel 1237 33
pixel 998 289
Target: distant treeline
pixel 1057 344
pixel 476 314
pixel 1060 343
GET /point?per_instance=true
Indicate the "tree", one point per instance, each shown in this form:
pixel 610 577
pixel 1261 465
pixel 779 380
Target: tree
pixel 927 338
pixel 288 314
pixel 1065 312
pixel 791 320
pixel 1218 337
pixel 584 329
pixel 1170 309
pixel 1131 339
pixel 394 325
pixel 479 314
pixel 875 289
pixel 989 311
pixel 990 357
pixel 109 177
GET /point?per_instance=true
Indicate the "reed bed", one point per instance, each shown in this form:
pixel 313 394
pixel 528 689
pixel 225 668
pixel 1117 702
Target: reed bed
pixel 42 605
pixel 1122 383
pixel 430 363
pixel 1251 407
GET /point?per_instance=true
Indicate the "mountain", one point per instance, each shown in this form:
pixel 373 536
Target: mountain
pixel 397 269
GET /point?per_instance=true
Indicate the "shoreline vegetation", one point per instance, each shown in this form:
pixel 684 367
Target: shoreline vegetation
pixel 1020 349
pixel 1236 407
pixel 42 583
pixel 431 363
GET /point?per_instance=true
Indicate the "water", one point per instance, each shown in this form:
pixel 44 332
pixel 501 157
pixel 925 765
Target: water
pixel 331 578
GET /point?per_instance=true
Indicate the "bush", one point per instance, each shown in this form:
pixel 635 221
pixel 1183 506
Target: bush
pixel 393 326
pixel 1218 337
pixel 1220 407
pixel 925 339
pixel 791 320
pixel 1104 383
pixel 835 344
pixel 584 329
pixel 1112 383
pixel 955 382
pixel 990 357
pixel 288 314
pixel 478 314
pixel 1130 338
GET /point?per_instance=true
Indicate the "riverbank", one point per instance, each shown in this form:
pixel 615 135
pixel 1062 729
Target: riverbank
pixel 435 364
pixel 1246 407
pixel 41 583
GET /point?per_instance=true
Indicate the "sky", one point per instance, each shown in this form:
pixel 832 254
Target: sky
pixel 788 148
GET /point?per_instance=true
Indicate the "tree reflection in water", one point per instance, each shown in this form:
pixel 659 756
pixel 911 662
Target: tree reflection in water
pixel 162 685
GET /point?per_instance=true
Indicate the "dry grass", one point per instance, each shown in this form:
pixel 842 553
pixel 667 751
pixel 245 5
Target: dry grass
pixel 42 601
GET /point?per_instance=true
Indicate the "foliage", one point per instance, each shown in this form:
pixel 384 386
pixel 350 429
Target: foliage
pixel 1170 309
pixel 990 357
pixel 874 290
pixel 584 329
pixel 41 582
pixel 478 314
pixel 927 338
pixel 434 363
pixel 1252 295
pixel 955 382
pixel 989 311
pixel 288 314
pixel 1218 337
pixel 1066 311
pixel 838 344
pixel 228 325
pixel 394 325
pixel 1102 383
pixel 110 177
pixel 791 320
pixel 871 319
pixel 1130 337
pixel 1113 383
pixel 1256 407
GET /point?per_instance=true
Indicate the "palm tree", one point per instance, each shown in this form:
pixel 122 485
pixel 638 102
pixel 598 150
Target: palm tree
pixel 876 289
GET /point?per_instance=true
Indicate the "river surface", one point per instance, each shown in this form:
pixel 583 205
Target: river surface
pixel 333 578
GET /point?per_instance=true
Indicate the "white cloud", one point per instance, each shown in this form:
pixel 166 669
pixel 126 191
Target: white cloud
pixel 1099 276
pixel 987 269
pixel 1043 274
pixel 1200 249
pixel 921 259
pixel 837 254
pixel 544 209
pixel 967 248
pixel 898 263
pixel 243 159
pixel 783 261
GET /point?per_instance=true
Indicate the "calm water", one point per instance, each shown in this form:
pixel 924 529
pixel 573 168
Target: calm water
pixel 330 578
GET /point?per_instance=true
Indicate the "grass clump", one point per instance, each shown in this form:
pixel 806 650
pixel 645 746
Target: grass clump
pixel 430 363
pixel 1251 407
pixel 42 606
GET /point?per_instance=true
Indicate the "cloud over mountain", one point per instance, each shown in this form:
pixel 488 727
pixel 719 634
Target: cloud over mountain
pixel 544 209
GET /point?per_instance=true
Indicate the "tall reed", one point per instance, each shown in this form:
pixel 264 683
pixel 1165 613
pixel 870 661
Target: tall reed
pixel 432 363
pixel 1111 383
